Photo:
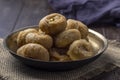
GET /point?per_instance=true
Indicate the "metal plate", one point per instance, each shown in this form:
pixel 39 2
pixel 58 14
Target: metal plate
pixel 98 41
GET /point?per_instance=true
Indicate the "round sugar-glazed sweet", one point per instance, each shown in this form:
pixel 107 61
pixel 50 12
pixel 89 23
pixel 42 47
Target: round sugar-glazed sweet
pixel 34 51
pixel 74 24
pixel 53 24
pixel 80 49
pixel 65 38
pixel 22 34
pixel 43 39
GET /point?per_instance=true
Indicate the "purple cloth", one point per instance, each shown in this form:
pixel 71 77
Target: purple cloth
pixel 89 11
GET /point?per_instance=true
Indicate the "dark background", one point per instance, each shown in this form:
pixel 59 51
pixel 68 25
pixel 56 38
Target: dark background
pixel 16 14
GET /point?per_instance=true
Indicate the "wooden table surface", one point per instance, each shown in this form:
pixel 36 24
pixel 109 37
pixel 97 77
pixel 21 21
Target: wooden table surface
pixel 16 14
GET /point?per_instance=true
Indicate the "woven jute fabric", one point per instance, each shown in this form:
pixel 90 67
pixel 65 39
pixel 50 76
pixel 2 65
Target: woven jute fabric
pixel 12 69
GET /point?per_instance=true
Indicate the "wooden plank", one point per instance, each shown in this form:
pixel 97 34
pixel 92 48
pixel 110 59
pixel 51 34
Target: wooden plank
pixel 112 32
pixel 9 10
pixel 98 28
pixel 32 12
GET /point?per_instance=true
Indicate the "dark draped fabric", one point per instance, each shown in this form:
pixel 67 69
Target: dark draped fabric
pixel 89 11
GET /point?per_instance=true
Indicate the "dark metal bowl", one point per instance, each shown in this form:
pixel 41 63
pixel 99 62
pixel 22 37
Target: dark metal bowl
pixel 97 40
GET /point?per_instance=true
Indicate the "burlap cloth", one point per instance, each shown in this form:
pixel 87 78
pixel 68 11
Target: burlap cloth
pixel 12 69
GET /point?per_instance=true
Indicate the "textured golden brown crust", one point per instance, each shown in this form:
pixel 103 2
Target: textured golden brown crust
pixel 74 24
pixel 65 38
pixel 53 23
pixel 40 31
pixel 43 39
pixel 83 30
pixel 80 49
pixel 22 34
pixel 34 51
